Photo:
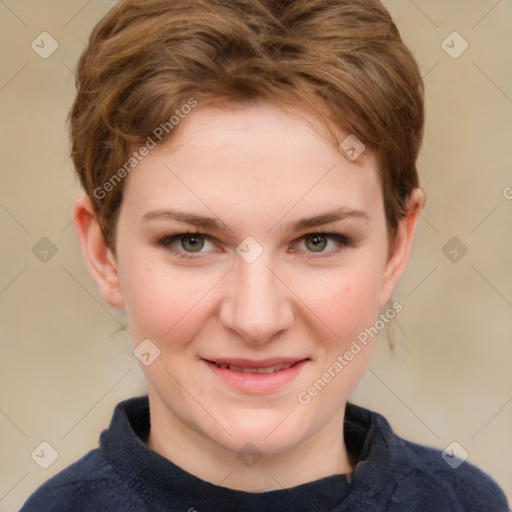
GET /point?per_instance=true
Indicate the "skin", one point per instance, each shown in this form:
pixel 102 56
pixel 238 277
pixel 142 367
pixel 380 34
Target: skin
pixel 257 169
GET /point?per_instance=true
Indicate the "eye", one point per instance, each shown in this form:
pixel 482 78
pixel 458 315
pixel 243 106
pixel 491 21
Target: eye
pixel 186 244
pixel 316 243
pixel 192 243
pixel 322 243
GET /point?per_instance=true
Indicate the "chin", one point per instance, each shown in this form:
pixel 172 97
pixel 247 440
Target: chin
pixel 267 436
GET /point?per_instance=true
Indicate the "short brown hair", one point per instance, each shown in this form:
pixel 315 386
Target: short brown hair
pixel 342 59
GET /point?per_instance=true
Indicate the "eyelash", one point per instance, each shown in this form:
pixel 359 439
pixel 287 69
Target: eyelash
pixel 167 240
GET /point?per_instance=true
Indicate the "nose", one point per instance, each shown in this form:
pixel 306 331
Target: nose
pixel 257 304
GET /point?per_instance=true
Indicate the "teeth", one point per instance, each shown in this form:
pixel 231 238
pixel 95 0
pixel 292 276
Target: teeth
pixel 270 369
pixel 244 369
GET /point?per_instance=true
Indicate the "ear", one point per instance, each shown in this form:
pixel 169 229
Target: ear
pixel 97 256
pixel 401 248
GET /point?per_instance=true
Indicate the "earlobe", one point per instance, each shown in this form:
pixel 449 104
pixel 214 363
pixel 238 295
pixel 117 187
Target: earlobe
pixel 99 259
pixel 399 256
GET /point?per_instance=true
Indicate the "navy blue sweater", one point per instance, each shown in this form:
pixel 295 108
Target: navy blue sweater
pixel 393 475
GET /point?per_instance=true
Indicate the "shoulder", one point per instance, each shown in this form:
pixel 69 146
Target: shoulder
pixel 88 485
pixel 426 472
pixel 407 476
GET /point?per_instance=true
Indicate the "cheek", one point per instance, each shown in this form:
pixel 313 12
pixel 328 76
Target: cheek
pixel 165 303
pixel 346 300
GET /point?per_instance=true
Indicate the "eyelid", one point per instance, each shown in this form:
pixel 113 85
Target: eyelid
pixel 328 234
pixel 172 237
pixel 342 241
pixel 168 239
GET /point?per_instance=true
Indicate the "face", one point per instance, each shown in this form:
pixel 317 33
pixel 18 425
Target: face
pixel 252 254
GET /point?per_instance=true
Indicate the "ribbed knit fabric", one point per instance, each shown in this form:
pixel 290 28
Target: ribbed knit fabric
pixel 124 475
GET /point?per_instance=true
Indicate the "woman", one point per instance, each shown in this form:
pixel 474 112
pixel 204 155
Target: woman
pixel 251 202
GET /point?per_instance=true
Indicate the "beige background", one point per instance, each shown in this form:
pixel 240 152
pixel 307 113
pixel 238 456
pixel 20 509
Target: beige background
pixel 65 362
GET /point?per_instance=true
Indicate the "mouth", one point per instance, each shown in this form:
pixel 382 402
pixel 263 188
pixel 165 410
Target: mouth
pixel 253 376
pixel 255 369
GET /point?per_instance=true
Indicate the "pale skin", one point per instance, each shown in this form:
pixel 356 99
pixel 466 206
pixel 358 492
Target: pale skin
pixel 256 170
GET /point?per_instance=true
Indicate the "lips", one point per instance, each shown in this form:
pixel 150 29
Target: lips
pixel 254 369
pixel 256 375
pixel 238 364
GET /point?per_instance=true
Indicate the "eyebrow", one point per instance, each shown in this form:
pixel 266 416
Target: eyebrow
pixel 326 218
pixel 216 224
pixel 212 223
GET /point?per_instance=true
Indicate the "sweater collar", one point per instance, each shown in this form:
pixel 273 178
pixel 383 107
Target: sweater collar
pixel 164 485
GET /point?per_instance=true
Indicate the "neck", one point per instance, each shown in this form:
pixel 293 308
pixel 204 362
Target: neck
pixel 323 454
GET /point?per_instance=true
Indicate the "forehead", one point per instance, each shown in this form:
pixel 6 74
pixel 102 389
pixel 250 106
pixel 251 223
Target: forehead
pixel 251 158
